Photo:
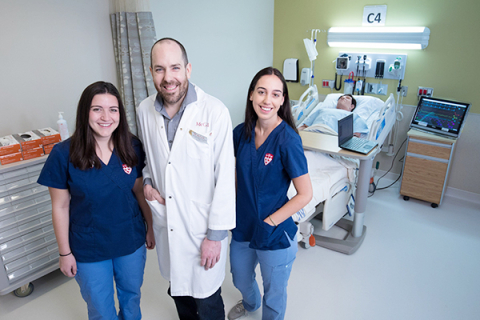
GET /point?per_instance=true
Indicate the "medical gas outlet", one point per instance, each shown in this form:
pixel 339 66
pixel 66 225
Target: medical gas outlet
pixel 376 88
pixel 424 91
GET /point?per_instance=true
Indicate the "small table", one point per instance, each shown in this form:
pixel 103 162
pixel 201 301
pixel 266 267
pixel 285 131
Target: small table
pixel 425 169
pixel 356 231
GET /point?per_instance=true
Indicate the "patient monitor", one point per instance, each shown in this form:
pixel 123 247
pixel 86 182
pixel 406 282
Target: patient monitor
pixel 439 116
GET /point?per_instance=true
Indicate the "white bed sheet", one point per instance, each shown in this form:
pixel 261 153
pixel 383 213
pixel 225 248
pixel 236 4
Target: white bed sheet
pixel 324 172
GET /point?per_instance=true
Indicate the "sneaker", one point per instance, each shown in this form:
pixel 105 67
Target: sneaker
pixel 237 311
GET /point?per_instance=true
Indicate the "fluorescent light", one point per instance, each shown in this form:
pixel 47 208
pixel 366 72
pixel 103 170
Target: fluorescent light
pixel 412 46
pixel 379 37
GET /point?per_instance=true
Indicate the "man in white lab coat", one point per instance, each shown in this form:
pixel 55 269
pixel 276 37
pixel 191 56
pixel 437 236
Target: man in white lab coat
pixel 189 182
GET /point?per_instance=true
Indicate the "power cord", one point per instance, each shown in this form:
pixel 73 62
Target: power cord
pixel 374 185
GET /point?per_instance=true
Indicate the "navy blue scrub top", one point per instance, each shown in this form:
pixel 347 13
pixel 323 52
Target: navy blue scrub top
pixel 263 179
pixel 105 218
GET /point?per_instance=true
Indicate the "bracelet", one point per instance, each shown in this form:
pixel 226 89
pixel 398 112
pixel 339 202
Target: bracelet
pixel 64 255
pixel 270 217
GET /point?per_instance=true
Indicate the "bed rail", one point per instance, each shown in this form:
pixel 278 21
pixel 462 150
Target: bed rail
pixel 384 122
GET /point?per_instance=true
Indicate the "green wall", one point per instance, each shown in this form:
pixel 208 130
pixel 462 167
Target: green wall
pixel 449 63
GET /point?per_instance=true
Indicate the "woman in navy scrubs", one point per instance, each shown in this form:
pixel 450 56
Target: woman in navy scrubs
pixel 269 155
pixel 99 211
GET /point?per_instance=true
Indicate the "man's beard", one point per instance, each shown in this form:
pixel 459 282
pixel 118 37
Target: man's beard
pixel 172 98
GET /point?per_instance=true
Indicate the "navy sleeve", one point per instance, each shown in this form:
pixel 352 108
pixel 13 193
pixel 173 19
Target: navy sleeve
pixel 137 146
pixel 293 157
pixel 55 171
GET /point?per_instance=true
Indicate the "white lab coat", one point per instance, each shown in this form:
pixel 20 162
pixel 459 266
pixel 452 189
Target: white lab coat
pixel 197 179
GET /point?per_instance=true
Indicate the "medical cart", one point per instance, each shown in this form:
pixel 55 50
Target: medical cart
pixel 425 169
pixel 28 247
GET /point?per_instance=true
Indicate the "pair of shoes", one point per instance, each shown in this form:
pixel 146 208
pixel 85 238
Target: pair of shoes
pixel 237 311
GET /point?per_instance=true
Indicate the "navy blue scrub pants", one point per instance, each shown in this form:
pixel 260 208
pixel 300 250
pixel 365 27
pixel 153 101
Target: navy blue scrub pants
pixel 275 266
pixel 210 308
pixel 96 285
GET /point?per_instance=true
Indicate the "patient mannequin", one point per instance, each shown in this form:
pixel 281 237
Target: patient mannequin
pixel 347 103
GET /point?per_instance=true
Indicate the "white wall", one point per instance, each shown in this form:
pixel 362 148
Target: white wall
pixel 51 50
pixel 227 43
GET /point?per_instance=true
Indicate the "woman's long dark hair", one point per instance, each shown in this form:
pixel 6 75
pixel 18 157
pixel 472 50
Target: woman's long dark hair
pixel 82 147
pixel 284 112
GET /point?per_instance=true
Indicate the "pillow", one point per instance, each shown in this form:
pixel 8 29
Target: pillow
pixel 366 105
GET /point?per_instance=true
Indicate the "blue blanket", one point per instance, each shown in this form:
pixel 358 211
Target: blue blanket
pixel 330 118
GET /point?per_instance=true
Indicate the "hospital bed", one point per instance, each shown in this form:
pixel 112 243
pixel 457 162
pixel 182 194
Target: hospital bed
pixel 337 174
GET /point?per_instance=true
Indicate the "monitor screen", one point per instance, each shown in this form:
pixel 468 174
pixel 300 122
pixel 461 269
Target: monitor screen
pixel 440 116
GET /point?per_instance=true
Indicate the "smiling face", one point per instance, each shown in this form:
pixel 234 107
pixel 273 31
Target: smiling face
pixel 169 72
pixel 104 116
pixel 267 97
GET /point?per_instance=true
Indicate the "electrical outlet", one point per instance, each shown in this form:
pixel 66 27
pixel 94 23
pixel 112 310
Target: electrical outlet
pixel 404 91
pixel 328 83
pixel 424 91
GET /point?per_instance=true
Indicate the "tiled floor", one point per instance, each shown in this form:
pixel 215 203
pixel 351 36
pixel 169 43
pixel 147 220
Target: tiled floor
pixel 416 263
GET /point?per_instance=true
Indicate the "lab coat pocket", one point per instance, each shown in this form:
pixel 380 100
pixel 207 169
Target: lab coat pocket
pixel 158 214
pixel 198 218
pixel 197 144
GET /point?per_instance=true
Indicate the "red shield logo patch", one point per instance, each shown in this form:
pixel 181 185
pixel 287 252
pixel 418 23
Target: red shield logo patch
pixel 127 169
pixel 268 158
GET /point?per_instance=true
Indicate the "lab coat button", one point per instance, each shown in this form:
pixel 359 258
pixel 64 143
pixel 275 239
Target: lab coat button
pixel 169 197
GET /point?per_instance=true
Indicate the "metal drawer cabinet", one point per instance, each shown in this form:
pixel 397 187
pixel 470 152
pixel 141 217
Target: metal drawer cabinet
pixel 28 248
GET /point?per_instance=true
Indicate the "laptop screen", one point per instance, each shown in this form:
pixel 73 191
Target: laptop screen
pixel 345 129
pixel 440 116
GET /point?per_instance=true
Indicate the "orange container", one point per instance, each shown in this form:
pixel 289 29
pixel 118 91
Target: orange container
pixel 32 153
pixel 11 158
pixel 48 135
pixel 8 145
pixel 28 140
pixel 48 148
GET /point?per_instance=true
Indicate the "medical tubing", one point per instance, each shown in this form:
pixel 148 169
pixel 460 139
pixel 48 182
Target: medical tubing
pixel 358 67
pixel 313 76
pixel 335 85
pixel 364 75
pixel 399 85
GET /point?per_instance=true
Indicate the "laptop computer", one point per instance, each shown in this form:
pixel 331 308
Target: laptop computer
pixel 347 141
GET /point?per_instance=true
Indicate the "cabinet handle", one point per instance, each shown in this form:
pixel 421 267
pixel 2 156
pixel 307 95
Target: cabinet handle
pixel 431 143
pixel 421 156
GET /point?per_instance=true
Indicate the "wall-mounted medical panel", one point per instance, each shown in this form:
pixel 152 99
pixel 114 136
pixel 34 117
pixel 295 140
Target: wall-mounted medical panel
pixel 372 65
pixel 28 248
